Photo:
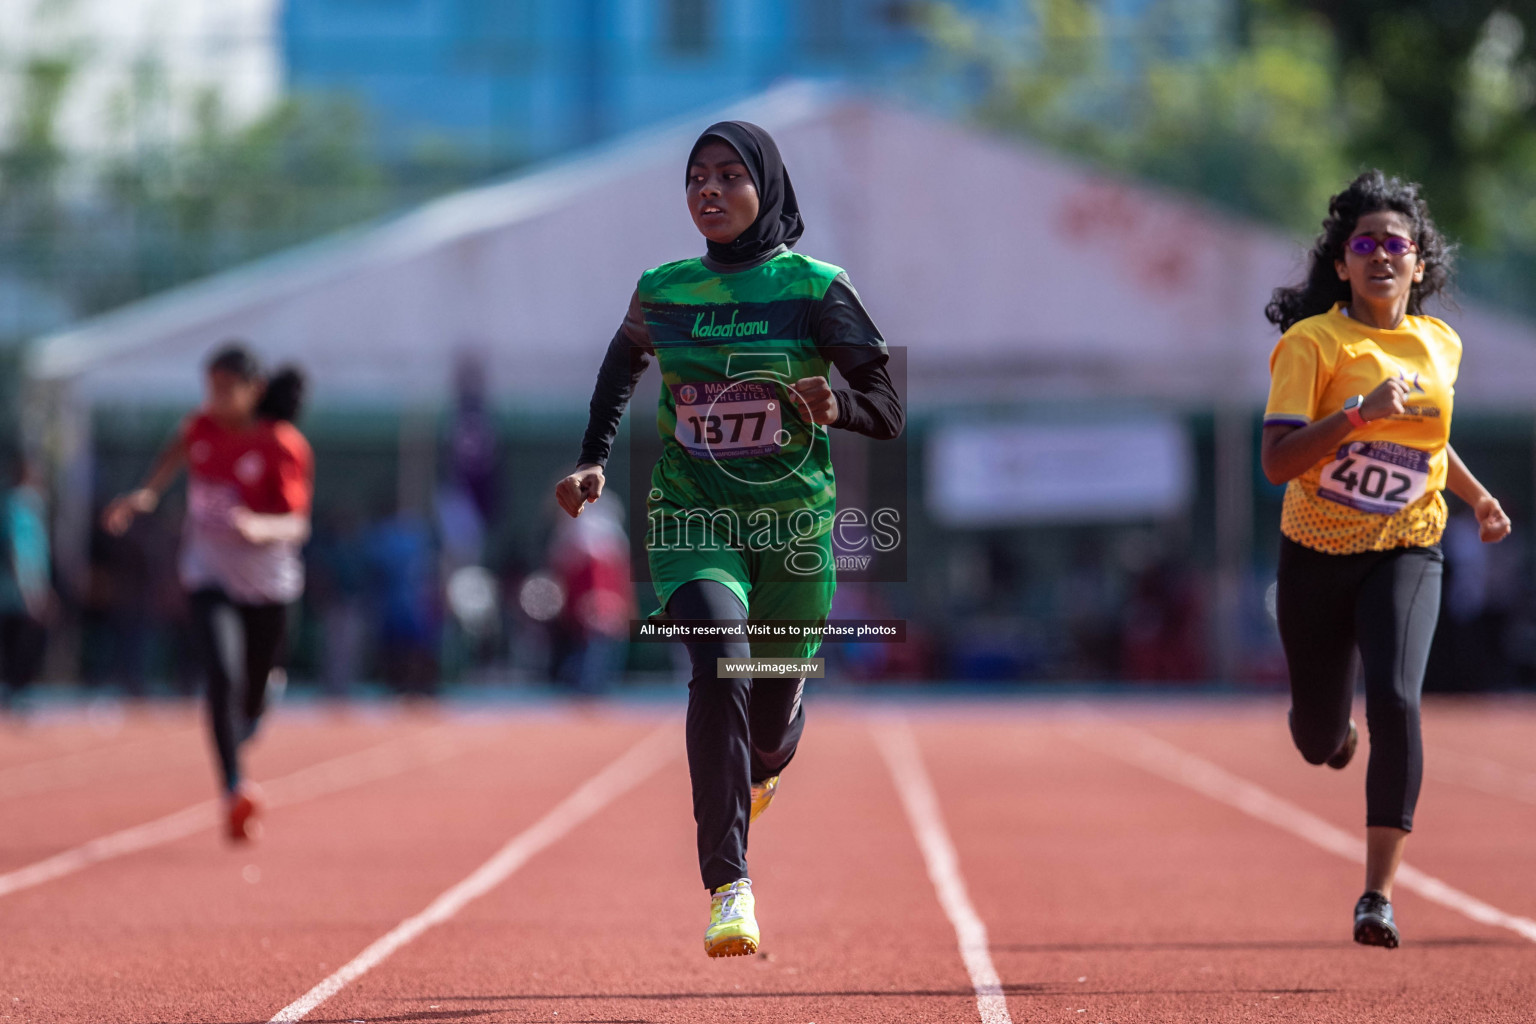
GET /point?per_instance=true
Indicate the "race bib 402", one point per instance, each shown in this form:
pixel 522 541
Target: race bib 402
pixel 1375 476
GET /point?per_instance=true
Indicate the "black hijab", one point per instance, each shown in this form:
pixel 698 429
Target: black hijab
pixel 778 214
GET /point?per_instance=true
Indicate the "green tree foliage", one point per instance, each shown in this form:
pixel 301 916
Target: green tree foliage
pixel 178 188
pixel 1444 91
pixel 225 192
pixel 32 163
pixel 31 213
pixel 1283 102
pixel 1246 118
pixel 1437 90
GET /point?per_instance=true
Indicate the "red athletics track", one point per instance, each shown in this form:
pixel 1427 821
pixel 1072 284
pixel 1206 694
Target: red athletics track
pixel 1098 845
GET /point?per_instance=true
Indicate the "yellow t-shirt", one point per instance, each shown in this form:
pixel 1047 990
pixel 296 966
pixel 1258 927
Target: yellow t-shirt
pixel 1382 488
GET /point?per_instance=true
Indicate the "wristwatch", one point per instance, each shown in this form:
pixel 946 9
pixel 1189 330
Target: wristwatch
pixel 1352 411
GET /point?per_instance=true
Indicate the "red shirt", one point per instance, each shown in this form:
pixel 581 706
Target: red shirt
pixel 270 467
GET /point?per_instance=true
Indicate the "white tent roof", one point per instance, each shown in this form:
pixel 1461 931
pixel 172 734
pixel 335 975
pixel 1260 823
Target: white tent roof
pixel 1007 271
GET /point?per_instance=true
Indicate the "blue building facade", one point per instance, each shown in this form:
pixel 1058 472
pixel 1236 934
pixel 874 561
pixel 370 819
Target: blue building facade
pixel 519 79
pixel 510 80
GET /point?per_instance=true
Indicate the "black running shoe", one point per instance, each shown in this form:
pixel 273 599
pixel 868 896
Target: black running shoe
pixel 1373 921
pixel 1342 756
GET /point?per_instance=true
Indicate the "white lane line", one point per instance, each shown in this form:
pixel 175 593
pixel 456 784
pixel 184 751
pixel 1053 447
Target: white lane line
pixel 1482 774
pixel 373 763
pixel 84 766
pixel 899 748
pixel 1177 765
pixel 632 768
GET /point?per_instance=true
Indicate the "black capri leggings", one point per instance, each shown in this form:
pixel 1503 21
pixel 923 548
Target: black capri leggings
pixel 1386 604
pixel 237 669
pixel 739 731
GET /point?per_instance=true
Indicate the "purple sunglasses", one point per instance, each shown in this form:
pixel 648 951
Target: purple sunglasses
pixel 1395 245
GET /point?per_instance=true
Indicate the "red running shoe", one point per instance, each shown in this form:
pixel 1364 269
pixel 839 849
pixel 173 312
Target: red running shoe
pixel 244 809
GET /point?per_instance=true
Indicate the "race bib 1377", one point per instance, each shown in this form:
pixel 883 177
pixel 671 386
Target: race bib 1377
pixel 729 419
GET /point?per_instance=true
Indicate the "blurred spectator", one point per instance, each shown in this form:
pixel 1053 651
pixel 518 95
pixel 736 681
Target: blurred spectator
pixel 337 591
pixel 1466 591
pixel 1089 601
pixel 465 507
pixel 402 571
pixel 119 567
pixel 875 662
pixel 134 608
pixel 589 558
pixel 1163 637
pixel 26 594
pixel 1466 654
pixel 473 455
pixel 460 526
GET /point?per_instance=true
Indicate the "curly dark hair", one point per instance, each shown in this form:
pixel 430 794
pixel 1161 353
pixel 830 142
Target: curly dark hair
pixel 284 396
pixel 1371 192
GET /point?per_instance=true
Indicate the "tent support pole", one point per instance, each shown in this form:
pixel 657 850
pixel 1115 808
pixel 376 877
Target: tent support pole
pixel 1234 537
pixel 416 477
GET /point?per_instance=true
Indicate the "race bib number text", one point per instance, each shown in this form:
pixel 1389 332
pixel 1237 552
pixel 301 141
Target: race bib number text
pixel 728 419
pixel 1376 476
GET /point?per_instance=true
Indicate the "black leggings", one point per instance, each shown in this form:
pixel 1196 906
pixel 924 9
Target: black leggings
pixel 739 731
pixel 1386 604
pixel 264 628
pixel 23 642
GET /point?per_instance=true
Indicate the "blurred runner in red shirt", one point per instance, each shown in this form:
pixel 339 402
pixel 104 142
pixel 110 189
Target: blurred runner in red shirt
pixel 251 480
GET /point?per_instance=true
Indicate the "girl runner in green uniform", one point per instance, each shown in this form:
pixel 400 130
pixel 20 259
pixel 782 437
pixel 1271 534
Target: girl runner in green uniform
pixel 741 500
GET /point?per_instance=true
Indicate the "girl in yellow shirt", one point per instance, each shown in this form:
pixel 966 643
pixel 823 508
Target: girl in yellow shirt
pixel 1358 428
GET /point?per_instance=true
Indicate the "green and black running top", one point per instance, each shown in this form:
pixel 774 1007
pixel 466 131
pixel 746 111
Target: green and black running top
pixel 731 339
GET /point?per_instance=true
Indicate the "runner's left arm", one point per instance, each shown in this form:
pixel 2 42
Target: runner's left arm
pixel 1492 522
pixel 848 338
pixel 294 475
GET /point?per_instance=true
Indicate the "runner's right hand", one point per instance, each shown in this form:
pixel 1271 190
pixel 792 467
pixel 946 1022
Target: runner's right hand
pixel 581 487
pixel 1385 400
pixel 119 515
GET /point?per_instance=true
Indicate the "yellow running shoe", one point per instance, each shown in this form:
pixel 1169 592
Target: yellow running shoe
pixel 762 796
pixel 732 923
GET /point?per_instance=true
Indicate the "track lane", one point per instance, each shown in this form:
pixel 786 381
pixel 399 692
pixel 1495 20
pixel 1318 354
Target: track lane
pixel 1476 840
pixel 183 934
pixel 610 927
pixel 68 739
pixel 177 772
pixel 1171 906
